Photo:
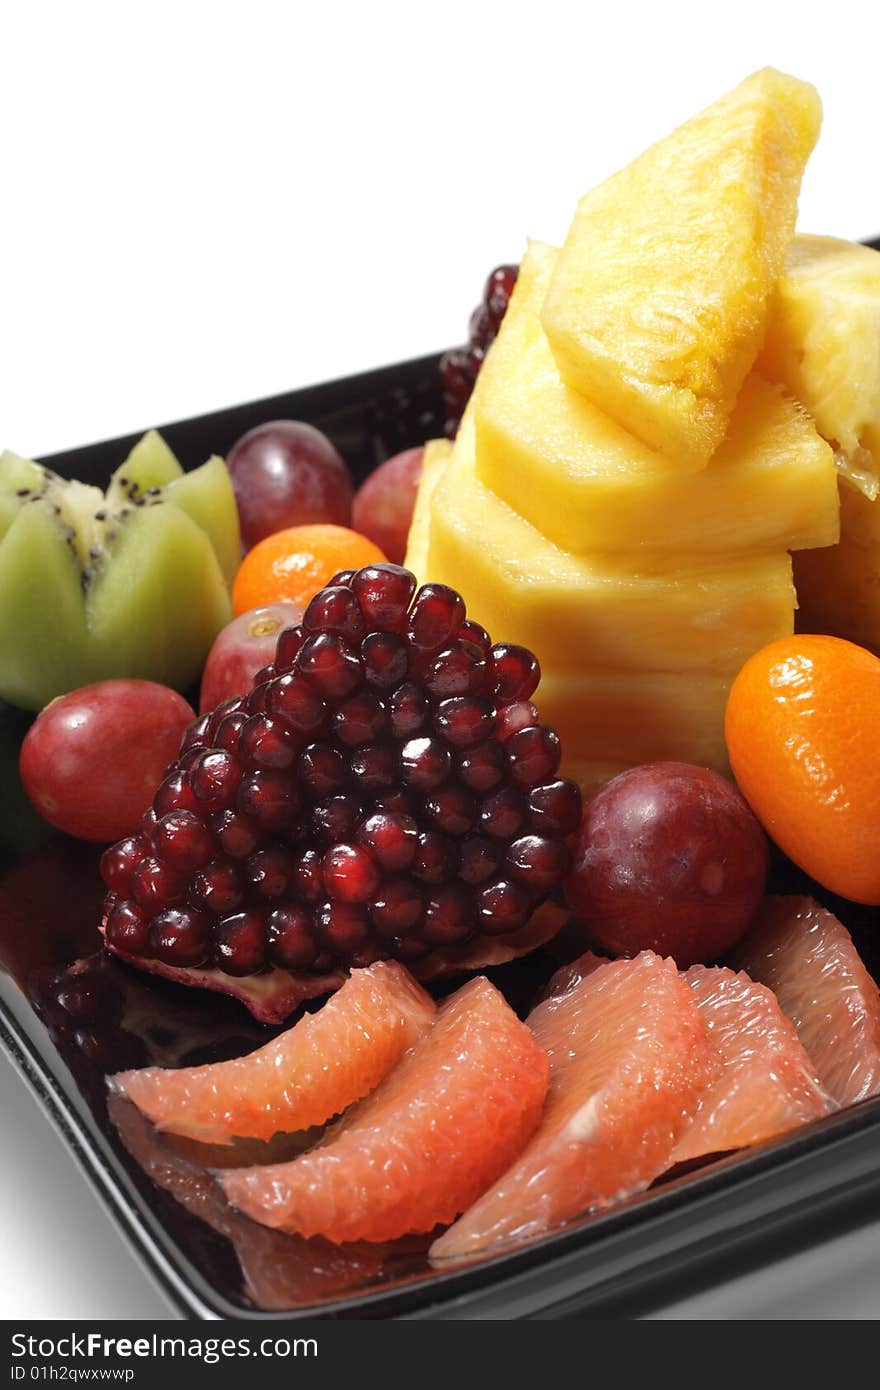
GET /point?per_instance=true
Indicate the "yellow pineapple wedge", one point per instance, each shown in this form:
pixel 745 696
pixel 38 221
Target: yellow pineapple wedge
pixel 638 716
pixel 658 303
pixel 579 613
pixel 823 343
pixel 437 454
pixel 590 486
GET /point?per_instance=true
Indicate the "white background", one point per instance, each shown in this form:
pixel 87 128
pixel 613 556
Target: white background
pixel 202 204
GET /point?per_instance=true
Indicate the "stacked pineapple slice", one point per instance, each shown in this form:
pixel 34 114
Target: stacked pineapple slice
pixel 626 486
pixel 823 342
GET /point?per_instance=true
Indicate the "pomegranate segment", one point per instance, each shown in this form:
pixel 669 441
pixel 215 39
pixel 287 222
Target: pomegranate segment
pixel 370 798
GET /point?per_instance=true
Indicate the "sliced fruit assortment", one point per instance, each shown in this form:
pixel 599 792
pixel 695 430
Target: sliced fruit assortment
pixel 310 1073
pixel 647 1068
pixel 624 486
pixel 764 1083
pixel 629 1056
pixel 444 1125
pixel 807 957
pixel 131 582
pixel 385 790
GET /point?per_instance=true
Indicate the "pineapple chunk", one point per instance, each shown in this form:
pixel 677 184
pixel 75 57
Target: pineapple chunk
pixel 589 485
pixel 839 591
pixel 659 301
pixel 578 613
pixel 823 343
pixel 638 717
pixel 436 456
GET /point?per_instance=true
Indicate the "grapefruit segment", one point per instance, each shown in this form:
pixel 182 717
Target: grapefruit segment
pixel 629 1055
pixel 443 1125
pixel 312 1071
pixel 807 957
pixel 765 1082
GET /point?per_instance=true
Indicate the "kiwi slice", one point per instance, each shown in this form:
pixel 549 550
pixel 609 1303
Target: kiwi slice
pixel 131 582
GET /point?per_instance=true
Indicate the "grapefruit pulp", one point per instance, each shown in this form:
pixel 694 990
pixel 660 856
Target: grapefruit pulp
pixel 442 1126
pixel 310 1072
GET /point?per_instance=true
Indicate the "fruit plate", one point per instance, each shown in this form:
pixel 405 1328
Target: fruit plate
pixel 67 1025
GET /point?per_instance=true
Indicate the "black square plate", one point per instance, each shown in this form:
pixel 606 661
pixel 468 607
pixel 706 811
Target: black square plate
pixel 67 1025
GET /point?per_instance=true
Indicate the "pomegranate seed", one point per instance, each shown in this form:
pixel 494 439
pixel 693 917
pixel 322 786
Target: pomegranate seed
pixel 127 928
pixel 308 878
pixel 270 797
pixel 448 915
pixel 538 861
pixel 119 862
pixel 291 944
pixel 397 908
pixel 384 593
pixel 501 813
pixel 155 886
pixel 465 720
pixel 374 768
pixel 240 943
pixel 435 618
pixel 407 710
pixel 298 705
pixel 386 660
pixel 451 809
pixel 360 719
pixel 287 649
pixel 237 835
pixel 436 859
pixel 515 673
pixel 335 609
pixel 321 770
pixel 392 839
pixel 482 767
pixel 180 936
pixel 342 927
pixel 270 872
pixel 425 763
pixel 336 818
pixel 267 742
pixel 504 906
pixel 216 888
pixel 480 859
pixel 214 778
pixel 350 873
pixel 175 794
pixel 534 755
pixel 330 664
pixel 555 808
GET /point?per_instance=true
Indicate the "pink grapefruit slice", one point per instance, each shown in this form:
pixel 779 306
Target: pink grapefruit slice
pixel 312 1071
pixel 764 1083
pixel 807 957
pixel 443 1125
pixel 629 1056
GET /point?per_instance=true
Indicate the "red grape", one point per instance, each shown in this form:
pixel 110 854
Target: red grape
pixel 383 506
pixel 243 648
pixel 287 473
pixel 92 761
pixel 669 858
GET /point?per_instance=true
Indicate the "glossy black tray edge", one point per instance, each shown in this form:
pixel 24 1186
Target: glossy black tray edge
pixel 742 1211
